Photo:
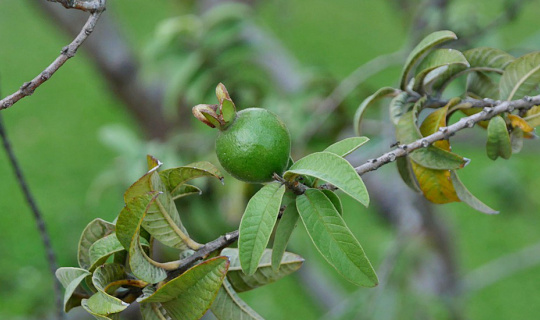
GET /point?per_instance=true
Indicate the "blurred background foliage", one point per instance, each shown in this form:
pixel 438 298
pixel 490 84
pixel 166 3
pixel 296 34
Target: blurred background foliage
pixel 81 142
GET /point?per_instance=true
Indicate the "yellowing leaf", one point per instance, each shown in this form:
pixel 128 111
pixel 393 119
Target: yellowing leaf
pixel 436 185
pixel 518 122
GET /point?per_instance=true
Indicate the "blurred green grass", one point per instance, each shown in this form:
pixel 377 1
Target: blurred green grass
pixel 54 134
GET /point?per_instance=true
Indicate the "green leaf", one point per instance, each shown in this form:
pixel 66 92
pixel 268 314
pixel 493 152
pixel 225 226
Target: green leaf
pixel 521 77
pixel 185 190
pixel 128 228
pixel 398 106
pixel 102 249
pixel 162 219
pixel 84 304
pixel 466 196
pixel 228 110
pixel 437 59
pixel 265 274
pixel 498 141
pixel 406 173
pixel 333 169
pixel 424 46
pixel 188 296
pixel 533 116
pixel 257 224
pixel 430 157
pixel 175 178
pixel 94 231
pixel 102 302
pixel 284 230
pixel 346 146
pixel 481 60
pixel 71 279
pixel 480 86
pixel 381 93
pixel 228 305
pixel 333 239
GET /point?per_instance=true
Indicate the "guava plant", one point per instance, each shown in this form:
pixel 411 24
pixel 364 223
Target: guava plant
pixel 116 264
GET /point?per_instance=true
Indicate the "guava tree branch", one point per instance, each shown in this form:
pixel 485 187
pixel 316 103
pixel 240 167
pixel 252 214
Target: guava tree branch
pixel 491 109
pixel 67 52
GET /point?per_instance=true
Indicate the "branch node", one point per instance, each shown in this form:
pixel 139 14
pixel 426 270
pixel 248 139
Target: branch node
pixel 470 123
pixel 487 110
pixel 27 89
pixel 391 157
pixel 424 143
pixel 527 98
pixel 443 129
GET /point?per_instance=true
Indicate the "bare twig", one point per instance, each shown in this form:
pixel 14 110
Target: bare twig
pixel 51 257
pixel 67 52
pixel 113 57
pixel 203 252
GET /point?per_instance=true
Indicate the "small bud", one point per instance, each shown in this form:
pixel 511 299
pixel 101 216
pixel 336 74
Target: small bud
pixel 207 115
pixel 222 93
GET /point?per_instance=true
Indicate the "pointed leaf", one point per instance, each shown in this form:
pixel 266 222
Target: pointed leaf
pixel 407 174
pixel 257 225
pixel 498 141
pixel 434 60
pixel 162 219
pixel 399 106
pixel 347 146
pixel 521 77
pixel 381 93
pixel 430 157
pixel 228 305
pixel 265 274
pixel 418 52
pixel 152 162
pixel 333 169
pixel 71 279
pixel 94 231
pixel 333 239
pixel 175 178
pixel 468 197
pixel 284 230
pixel 128 228
pixel 188 296
pixel 102 302
pixel 102 249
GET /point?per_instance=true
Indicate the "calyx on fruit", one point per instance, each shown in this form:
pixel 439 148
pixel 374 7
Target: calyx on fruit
pixel 252 144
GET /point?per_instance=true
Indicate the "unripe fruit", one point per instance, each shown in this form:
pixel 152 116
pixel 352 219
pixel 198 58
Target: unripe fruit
pixel 252 144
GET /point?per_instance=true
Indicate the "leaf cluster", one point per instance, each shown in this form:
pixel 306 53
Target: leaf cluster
pixel 116 266
pixel 428 71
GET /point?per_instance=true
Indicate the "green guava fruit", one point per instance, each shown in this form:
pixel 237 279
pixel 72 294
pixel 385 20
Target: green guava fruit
pixel 254 146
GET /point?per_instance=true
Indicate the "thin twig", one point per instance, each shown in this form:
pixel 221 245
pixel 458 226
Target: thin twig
pixel 67 52
pixel 51 257
pixel 84 5
pixel 203 252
